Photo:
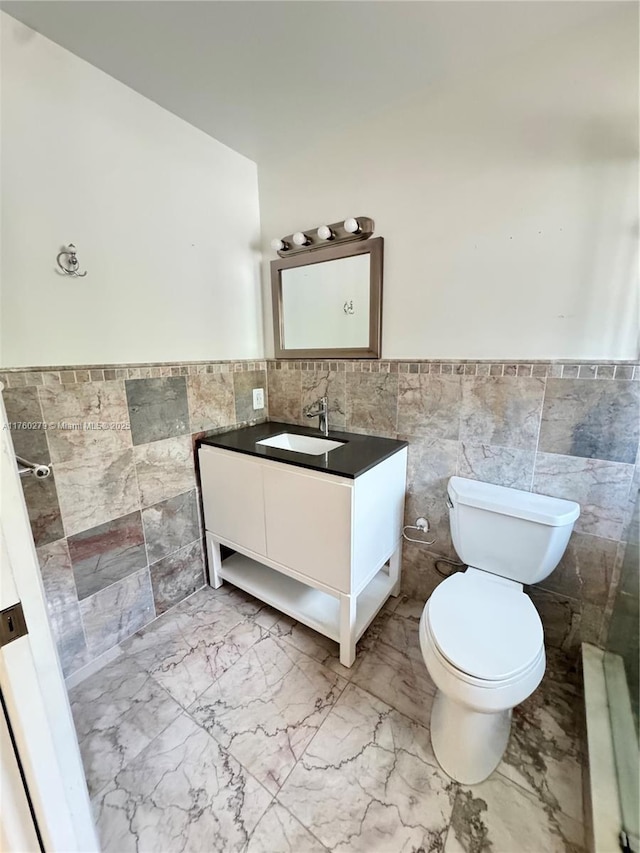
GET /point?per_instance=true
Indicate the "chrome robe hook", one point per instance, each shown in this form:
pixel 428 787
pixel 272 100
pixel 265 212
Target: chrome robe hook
pixel 68 262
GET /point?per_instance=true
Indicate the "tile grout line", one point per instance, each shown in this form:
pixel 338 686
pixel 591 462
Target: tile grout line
pixel 316 733
pixel 144 532
pixel 131 660
pixel 297 820
pixel 535 452
pixel 315 661
pixel 243 618
pixel 530 795
pixel 274 798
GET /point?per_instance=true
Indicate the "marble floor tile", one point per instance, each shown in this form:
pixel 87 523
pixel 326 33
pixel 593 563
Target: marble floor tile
pixel 222 704
pixel 199 610
pixel 191 650
pixel 279 830
pixel 250 607
pixel 368 781
pixel 204 602
pixel 317 646
pixel 267 707
pixel 499 817
pixel 182 794
pixel 544 754
pixel 392 666
pixel 117 713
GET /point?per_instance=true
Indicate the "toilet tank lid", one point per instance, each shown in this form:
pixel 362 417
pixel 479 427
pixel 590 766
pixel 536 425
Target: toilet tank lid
pixel 542 509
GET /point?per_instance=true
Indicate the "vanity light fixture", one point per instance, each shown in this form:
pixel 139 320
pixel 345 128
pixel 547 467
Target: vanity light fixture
pixel 327 236
pixel 325 233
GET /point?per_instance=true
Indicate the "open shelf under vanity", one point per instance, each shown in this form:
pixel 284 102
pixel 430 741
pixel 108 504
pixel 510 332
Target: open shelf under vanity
pixel 313 607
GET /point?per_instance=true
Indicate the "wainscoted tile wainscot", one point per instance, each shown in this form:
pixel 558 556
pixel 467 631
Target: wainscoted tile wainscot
pixel 569 430
pixel 118 529
pixel 117 525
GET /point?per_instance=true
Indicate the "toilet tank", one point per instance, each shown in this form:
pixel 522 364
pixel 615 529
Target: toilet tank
pixel 510 533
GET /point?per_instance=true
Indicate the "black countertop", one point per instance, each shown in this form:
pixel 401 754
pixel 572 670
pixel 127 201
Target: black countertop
pixel 358 454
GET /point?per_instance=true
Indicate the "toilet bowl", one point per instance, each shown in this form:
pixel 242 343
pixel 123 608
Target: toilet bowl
pixel 471 716
pixel 480 635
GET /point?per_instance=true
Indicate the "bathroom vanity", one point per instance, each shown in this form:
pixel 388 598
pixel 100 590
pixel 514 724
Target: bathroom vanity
pixel 317 530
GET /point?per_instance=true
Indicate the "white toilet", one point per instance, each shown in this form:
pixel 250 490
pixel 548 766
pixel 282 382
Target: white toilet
pixel 480 634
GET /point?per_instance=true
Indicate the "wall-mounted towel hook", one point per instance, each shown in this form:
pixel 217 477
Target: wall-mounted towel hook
pixel 40 472
pixel 423 526
pixel 68 262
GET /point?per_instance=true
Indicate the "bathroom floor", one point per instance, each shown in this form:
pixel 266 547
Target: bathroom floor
pixel 226 726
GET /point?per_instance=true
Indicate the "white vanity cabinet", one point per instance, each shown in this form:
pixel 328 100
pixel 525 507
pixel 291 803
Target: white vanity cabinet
pixel 322 548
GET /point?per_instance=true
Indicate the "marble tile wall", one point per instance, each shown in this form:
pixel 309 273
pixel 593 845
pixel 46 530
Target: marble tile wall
pixel 117 525
pixel 567 430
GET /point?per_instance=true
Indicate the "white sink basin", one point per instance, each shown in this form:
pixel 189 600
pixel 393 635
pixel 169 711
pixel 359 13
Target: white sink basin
pixel 308 444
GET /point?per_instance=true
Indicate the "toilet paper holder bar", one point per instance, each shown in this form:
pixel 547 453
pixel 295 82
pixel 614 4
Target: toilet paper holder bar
pixel 422 525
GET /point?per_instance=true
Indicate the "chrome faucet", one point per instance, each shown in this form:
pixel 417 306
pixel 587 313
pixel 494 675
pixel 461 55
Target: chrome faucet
pixel 321 412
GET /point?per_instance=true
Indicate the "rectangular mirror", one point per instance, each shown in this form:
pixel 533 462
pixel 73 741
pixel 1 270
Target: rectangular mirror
pixel 327 303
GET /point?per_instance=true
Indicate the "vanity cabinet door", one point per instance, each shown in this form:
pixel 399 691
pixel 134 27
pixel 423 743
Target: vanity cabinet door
pixel 232 498
pixel 308 523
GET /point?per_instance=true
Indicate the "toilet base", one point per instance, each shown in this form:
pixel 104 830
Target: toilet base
pixel 469 745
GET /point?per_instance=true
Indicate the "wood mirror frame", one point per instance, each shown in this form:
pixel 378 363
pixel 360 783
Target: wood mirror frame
pixel 372 247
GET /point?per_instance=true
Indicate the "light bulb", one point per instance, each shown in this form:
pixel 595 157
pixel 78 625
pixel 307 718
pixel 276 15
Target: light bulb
pixel 278 245
pixel 351 225
pixel 301 239
pixel 325 233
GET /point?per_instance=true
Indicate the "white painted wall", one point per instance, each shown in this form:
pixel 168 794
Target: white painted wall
pixel 508 203
pixel 164 217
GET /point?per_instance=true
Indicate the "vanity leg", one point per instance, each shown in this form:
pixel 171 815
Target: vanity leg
pixel 215 562
pixel 395 564
pixel 347 629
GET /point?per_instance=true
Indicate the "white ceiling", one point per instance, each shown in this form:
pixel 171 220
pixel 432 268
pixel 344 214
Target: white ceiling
pixel 265 76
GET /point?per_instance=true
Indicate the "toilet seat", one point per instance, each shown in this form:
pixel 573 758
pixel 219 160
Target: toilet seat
pixel 473 681
pixel 485 627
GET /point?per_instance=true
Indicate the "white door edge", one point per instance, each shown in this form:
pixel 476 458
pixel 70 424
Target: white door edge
pixel 32 682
